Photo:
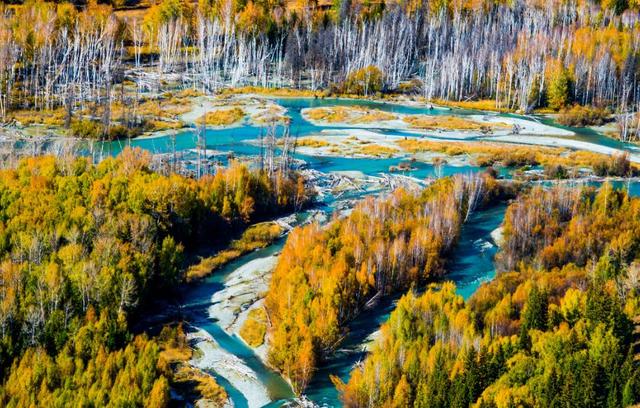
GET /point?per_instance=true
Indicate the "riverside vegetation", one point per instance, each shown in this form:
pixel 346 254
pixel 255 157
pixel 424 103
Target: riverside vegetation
pixel 554 328
pixel 82 249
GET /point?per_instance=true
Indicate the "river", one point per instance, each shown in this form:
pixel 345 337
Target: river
pixel 471 265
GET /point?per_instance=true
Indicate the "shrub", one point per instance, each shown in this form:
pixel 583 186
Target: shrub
pixel 581 116
pixel 123 132
pixel 555 171
pixel 617 166
pixel 86 129
pixel 365 81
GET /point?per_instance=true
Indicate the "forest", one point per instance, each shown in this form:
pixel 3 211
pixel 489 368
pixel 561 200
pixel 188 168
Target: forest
pixel 88 62
pixel 83 247
pixel 553 329
pixel 413 115
pixel 326 276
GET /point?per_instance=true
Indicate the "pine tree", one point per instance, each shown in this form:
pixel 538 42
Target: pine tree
pixel 560 90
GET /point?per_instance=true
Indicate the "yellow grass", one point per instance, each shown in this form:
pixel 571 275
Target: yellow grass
pixel 330 115
pixel 374 115
pixel 158 125
pixel 256 236
pixel 348 114
pixel 448 123
pixel 158 114
pixel 255 327
pixel 312 142
pixel 377 150
pixel 486 154
pixel 189 93
pixel 482 104
pixel 284 92
pixel 544 111
pixel 222 117
pixel 53 117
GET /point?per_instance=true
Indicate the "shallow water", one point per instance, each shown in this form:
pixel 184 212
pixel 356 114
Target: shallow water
pixel 232 139
pixel 472 260
pixel 196 311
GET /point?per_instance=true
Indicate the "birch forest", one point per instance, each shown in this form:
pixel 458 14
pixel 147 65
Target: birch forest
pixel 521 55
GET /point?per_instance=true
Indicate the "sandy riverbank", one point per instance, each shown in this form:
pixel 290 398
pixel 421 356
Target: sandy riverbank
pixel 243 287
pixel 211 356
pixel 362 143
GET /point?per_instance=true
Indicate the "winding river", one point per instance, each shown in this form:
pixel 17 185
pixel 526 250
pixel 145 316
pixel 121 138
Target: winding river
pixel 471 265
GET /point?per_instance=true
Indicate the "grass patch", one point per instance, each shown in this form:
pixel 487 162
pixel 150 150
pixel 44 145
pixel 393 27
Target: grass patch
pixel 485 154
pixel 374 115
pixel 156 114
pixel 255 327
pixel 47 117
pixel 222 117
pixel 348 114
pixel 488 154
pixel 256 236
pixel 158 125
pixel 429 122
pixel 332 115
pixel 482 104
pixel 168 106
pixel 284 92
pixel 377 150
pixel 312 142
